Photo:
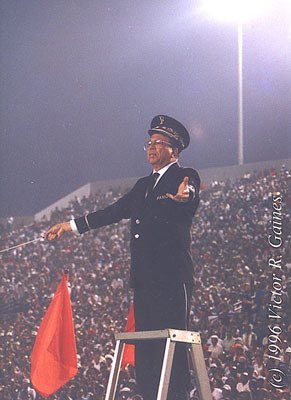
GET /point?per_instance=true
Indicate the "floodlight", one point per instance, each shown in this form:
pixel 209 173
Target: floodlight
pixel 234 10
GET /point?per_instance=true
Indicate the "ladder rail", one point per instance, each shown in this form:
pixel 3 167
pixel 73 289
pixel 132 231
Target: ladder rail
pixel 166 370
pixel 115 369
pixel 200 372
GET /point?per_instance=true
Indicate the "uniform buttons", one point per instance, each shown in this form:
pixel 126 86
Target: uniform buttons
pixel 137 221
pixel 136 235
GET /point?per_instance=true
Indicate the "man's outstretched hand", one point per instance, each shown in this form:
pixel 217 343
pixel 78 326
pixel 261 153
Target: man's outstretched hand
pixel 57 231
pixel 183 192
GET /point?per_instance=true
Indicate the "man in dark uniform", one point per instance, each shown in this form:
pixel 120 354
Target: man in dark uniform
pixel 161 207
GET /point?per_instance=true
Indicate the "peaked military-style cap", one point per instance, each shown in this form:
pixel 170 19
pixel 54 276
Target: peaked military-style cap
pixel 172 128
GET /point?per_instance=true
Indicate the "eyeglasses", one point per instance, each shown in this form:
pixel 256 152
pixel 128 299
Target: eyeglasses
pixel 157 142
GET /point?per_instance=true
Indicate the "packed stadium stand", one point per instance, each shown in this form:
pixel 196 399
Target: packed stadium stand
pixel 230 307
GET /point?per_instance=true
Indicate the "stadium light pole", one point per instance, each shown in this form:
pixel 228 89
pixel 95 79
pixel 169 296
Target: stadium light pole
pixel 240 94
pixel 238 11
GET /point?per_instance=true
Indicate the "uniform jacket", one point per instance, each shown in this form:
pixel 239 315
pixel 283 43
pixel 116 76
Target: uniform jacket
pixel 160 227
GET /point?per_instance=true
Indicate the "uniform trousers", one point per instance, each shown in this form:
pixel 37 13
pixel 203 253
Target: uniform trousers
pixel 157 307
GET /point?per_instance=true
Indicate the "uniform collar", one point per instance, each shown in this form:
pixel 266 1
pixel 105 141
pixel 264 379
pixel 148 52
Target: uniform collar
pixel 164 169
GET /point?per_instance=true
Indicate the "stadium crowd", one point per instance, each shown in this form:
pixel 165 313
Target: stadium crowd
pixel 230 307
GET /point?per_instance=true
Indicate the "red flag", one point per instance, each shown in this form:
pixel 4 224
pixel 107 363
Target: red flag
pixel 54 355
pixel 128 354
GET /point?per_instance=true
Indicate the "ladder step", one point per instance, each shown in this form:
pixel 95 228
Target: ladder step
pixel 175 335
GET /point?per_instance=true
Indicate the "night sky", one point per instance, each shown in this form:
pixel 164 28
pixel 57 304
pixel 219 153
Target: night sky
pixel 81 81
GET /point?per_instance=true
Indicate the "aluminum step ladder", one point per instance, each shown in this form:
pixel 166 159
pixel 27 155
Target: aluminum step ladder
pixel 172 336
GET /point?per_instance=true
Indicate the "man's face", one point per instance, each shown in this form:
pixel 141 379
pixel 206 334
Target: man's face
pixel 160 155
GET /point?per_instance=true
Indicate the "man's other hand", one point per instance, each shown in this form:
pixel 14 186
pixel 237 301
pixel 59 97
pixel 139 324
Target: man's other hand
pixel 183 191
pixel 58 230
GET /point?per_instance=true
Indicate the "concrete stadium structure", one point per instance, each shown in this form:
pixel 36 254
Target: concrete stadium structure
pixel 207 176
